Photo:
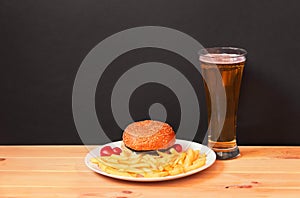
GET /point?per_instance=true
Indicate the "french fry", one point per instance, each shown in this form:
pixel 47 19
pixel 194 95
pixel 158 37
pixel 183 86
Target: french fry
pixel 147 170
pixel 157 174
pixel 113 165
pixel 109 160
pixel 189 158
pixel 178 169
pixel 134 170
pixel 168 168
pixel 196 154
pixel 173 151
pixel 182 158
pixel 145 165
pixel 131 161
pixel 141 165
pixel 95 160
pixel 117 172
pixel 146 159
pixel 197 164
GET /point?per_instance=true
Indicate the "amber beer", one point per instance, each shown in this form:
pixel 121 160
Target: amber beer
pixel 229 63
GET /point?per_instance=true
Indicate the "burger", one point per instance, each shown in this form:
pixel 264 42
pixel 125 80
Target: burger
pixel 148 135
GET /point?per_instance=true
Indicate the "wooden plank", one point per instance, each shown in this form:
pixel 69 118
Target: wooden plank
pixel 43 151
pixel 70 164
pixel 34 164
pixel 59 171
pixel 204 179
pixel 268 152
pixel 119 192
pixel 79 151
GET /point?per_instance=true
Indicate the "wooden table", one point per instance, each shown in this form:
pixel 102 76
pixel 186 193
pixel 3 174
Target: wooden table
pixel 59 171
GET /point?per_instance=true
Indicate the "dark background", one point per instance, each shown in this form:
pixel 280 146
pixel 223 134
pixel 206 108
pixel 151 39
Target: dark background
pixel 42 44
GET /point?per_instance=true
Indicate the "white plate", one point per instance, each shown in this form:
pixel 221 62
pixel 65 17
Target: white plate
pixel 210 159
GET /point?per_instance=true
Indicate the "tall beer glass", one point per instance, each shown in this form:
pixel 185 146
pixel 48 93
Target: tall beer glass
pixel 228 63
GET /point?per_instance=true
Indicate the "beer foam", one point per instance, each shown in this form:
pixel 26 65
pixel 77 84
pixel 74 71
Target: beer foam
pixel 222 58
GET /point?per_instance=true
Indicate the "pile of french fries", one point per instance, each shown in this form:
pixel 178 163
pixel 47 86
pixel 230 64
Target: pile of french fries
pixel 145 165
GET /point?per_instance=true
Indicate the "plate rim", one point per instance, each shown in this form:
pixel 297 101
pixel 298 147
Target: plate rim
pixel 210 154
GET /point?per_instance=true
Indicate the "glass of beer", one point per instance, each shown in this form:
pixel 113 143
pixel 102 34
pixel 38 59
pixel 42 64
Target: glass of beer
pixel 222 69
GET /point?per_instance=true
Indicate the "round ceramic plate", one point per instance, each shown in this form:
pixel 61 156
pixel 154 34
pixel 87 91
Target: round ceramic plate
pixel 210 159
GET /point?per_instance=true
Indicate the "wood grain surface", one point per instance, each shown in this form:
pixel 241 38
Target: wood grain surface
pixel 59 171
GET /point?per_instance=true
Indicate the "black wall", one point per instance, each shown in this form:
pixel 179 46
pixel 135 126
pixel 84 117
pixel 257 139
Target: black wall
pixel 42 44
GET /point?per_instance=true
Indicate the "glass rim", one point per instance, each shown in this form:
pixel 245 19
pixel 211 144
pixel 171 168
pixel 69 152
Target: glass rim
pixel 207 52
